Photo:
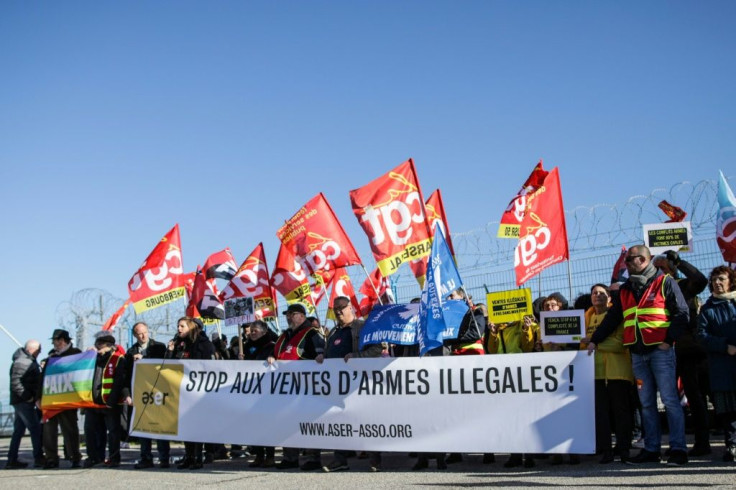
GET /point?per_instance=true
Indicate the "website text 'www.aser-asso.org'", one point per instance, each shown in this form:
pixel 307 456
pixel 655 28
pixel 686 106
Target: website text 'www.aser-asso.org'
pixel 320 429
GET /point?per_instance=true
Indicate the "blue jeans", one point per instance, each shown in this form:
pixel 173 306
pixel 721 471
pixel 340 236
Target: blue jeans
pixel 656 371
pixel 26 417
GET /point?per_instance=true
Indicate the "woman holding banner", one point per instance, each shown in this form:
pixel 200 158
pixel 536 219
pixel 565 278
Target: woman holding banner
pixel 512 338
pixel 191 342
pixel 614 378
pixel 717 332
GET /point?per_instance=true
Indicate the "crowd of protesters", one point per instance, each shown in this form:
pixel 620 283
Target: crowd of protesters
pixel 646 332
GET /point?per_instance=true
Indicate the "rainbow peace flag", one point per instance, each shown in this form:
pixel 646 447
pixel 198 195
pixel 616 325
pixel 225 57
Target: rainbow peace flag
pixel 67 383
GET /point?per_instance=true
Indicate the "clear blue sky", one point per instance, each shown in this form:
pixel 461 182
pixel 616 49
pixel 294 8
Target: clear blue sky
pixel 119 119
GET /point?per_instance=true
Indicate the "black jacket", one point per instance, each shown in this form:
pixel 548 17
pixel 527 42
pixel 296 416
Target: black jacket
pixel 25 378
pixel 119 390
pixel 201 348
pixel 155 350
pixel 258 350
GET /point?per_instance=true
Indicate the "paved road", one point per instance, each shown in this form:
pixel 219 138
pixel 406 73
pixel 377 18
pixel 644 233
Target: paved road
pixel 702 472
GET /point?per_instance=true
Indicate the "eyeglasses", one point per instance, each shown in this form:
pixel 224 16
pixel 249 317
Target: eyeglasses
pixel 631 258
pixel 339 309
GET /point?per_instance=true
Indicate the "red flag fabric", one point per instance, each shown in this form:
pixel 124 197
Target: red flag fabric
pixel 342 286
pixel 620 272
pixel 436 217
pixel 674 213
pixel 543 236
pixel 370 298
pixel 205 296
pixel 159 281
pixel 112 322
pixel 289 279
pixel 316 238
pixel 391 211
pixel 511 219
pixel 726 220
pixel 252 280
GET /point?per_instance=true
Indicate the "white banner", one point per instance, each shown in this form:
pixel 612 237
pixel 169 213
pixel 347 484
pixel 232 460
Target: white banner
pixel 520 403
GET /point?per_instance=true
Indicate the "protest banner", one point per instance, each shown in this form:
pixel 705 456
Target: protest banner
pixel 509 306
pixel 660 237
pixel 562 327
pixel 396 324
pixel 544 400
pixel 67 383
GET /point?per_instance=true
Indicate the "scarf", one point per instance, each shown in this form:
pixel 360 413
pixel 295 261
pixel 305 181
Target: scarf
pixel 731 295
pixel 639 281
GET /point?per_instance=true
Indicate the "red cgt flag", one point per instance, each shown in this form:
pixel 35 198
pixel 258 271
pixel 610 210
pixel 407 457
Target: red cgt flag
pixel 160 280
pixel 436 216
pixel 543 237
pixel 342 286
pixel 316 238
pixel 112 322
pixel 290 280
pixel 391 211
pixel 514 214
pixel 252 280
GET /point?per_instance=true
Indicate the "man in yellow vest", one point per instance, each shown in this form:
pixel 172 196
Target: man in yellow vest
pixel 655 314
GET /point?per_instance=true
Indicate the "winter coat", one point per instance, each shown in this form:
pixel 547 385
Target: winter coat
pixel 25 378
pixel 717 330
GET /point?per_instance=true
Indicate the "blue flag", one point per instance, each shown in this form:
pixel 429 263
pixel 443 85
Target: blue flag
pixel 395 324
pixel 439 318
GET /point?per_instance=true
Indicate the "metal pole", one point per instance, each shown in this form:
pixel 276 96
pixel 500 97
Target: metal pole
pixel 10 335
pixel 372 285
pixel 569 278
pixel 472 313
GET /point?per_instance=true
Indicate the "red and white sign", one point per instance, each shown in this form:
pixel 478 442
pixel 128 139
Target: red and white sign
pixel 391 211
pixel 543 237
pixel 160 280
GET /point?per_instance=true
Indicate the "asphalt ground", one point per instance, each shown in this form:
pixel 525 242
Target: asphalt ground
pixel 704 472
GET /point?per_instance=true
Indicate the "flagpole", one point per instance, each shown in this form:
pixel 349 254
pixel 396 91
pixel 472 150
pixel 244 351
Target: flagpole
pixel 569 278
pixel 240 343
pixel 472 314
pixel 10 335
pixel 372 285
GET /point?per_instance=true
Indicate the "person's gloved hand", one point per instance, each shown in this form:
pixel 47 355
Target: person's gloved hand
pixel 673 257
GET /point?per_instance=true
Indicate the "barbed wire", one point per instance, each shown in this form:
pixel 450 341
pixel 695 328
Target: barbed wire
pixel 592 231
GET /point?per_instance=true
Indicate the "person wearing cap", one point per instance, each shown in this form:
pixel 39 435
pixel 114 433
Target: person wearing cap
pixel 25 380
pixel 66 419
pixel 109 389
pixel 343 342
pixel 147 348
pixel 300 341
pixel 191 342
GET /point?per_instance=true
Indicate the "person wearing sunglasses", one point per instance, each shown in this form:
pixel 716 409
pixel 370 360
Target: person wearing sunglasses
pixel 655 314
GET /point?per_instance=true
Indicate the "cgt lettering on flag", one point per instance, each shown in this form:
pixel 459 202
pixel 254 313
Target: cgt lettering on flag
pixel 391 211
